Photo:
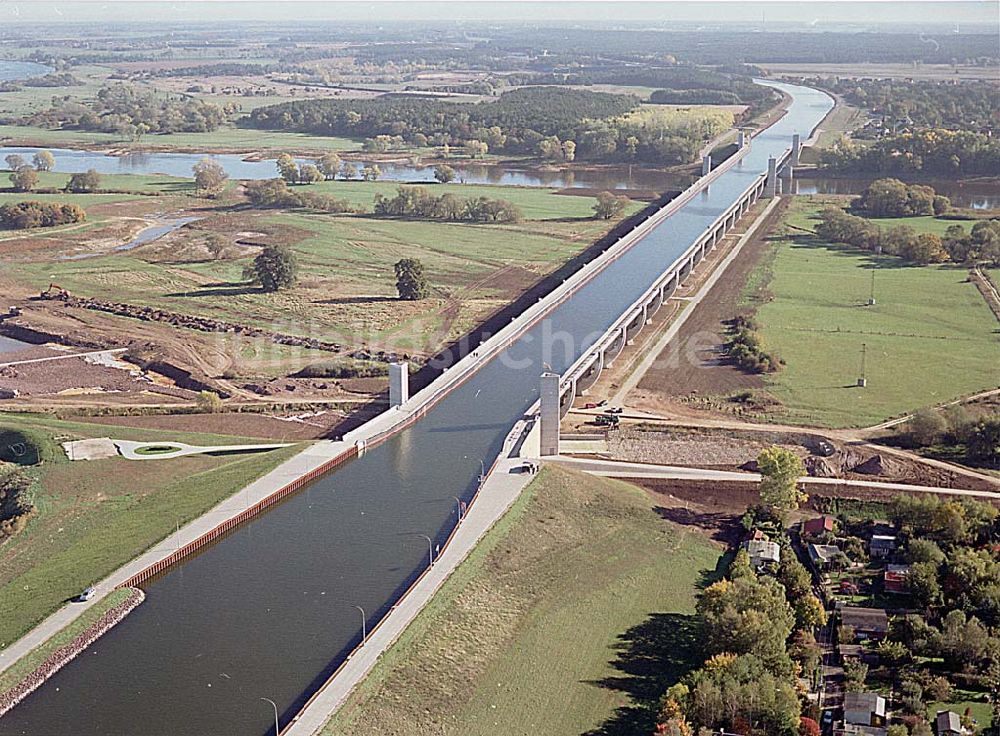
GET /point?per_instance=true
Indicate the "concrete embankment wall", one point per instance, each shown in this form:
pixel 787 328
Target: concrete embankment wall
pixel 60 657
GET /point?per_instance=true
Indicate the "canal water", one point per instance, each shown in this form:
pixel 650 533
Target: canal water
pixel 72 161
pixel 269 611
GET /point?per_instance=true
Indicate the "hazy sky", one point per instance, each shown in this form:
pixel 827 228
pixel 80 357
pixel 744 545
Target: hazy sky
pixel 815 13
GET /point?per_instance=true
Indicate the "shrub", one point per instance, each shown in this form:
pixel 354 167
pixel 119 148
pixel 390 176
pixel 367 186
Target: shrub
pixel 336 369
pixel 32 214
pixel 209 402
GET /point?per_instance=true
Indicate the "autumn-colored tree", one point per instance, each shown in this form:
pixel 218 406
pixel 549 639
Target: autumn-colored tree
pixel 780 470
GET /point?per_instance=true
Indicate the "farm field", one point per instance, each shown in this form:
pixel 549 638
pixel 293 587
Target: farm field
pixel 937 72
pixel 553 625
pixel 930 337
pixel 92 516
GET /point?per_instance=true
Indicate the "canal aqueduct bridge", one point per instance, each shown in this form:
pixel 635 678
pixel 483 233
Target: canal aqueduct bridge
pixel 587 369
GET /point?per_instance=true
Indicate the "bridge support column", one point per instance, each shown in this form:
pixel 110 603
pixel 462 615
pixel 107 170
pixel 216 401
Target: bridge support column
pixel 549 414
pixel 706 164
pixel 742 138
pixel 399 383
pixel 772 177
pixel 796 150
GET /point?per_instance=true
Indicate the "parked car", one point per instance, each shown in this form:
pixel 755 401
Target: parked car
pixel 86 595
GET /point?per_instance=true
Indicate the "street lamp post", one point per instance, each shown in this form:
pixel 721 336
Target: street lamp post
pixel 458 502
pixel 430 548
pixel 364 626
pixel 277 728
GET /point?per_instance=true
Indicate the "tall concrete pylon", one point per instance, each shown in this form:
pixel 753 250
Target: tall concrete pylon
pixel 796 150
pixel 399 383
pixel 742 138
pixel 772 178
pixel 549 415
pixel 706 164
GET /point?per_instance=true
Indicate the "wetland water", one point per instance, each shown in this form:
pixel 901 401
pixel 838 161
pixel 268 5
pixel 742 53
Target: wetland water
pixel 72 161
pixel 269 611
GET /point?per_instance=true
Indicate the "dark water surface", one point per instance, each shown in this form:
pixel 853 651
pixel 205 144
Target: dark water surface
pixel 269 612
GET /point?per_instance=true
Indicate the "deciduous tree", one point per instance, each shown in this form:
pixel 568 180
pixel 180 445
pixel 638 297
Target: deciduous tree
pixel 410 280
pixel 275 267
pixel 209 177
pixel 780 471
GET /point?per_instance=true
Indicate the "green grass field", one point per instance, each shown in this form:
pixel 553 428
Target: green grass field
pixel 155 183
pixel 346 279
pixel 962 699
pixel 571 616
pixel 930 337
pixel 93 516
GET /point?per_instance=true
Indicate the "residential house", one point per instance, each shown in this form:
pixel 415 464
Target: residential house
pixel 864 709
pixel 896 579
pixel 881 546
pixel 853 729
pixel 818 526
pixel 763 552
pixel 824 556
pixel 866 623
pixel 948 723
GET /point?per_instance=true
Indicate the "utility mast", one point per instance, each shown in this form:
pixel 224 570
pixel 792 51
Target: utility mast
pixel 863 380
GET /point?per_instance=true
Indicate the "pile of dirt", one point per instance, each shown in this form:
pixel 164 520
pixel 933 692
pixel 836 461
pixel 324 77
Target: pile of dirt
pixel 206 324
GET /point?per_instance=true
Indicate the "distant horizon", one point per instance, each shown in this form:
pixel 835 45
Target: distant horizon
pixel 976 15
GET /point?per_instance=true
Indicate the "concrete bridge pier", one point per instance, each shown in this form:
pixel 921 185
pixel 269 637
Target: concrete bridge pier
pixel 399 383
pixel 548 414
pixel 706 164
pixel 742 138
pixel 796 150
pixel 772 177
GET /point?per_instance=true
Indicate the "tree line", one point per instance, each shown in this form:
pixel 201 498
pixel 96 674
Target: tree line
pixel 922 104
pixel 981 245
pixel 412 201
pixel 755 630
pixel 553 123
pixel 934 151
pixel 132 113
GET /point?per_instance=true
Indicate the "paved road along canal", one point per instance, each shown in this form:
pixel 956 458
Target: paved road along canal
pixel 269 611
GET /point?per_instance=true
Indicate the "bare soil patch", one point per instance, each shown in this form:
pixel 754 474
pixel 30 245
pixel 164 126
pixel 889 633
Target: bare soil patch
pixel 694 364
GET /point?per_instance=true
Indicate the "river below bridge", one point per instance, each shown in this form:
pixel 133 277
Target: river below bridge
pixel 270 611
